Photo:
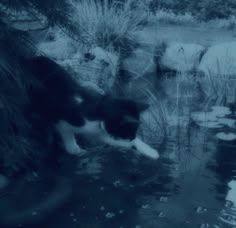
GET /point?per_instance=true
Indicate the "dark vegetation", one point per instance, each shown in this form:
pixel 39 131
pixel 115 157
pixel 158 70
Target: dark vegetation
pixel 203 9
pixel 17 145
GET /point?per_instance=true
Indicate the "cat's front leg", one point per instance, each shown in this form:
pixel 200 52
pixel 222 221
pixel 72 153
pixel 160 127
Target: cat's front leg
pixel 67 133
pixel 72 147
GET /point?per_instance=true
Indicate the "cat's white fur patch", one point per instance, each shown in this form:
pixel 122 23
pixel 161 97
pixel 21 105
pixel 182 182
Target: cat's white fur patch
pixel 140 146
pixel 117 142
pixel 66 132
pixel 97 129
pixel 90 127
pixel 145 149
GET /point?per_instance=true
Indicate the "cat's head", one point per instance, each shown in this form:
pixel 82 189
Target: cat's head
pixel 122 117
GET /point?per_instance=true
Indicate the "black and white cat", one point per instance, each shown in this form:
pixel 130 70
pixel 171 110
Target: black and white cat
pixel 72 109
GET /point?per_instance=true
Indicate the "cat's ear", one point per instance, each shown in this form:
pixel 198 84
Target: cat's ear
pixel 142 106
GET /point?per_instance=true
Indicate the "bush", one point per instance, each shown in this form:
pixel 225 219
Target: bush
pixel 202 9
pixel 227 23
pixel 169 17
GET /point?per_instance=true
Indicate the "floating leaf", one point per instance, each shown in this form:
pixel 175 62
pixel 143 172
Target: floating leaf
pixel 210 124
pixel 226 136
pixel 227 121
pixel 221 111
pixel 204 116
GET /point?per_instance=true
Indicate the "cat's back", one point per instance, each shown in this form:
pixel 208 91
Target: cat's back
pixel 51 75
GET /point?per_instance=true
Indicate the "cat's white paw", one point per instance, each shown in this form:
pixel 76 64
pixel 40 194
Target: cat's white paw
pixel 74 149
pixel 145 149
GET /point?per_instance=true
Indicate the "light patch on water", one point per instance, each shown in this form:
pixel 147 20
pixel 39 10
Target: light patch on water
pixel 210 124
pixel 110 215
pixel 90 166
pixel 3 181
pixel 231 196
pixel 228 215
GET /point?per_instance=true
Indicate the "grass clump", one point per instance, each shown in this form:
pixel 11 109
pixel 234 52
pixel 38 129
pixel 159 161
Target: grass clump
pixel 106 24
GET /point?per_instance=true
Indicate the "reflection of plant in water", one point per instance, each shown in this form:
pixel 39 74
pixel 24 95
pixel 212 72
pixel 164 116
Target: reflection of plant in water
pixel 216 87
pixel 154 127
pixel 90 166
pixel 218 81
pixel 168 121
pixel 172 111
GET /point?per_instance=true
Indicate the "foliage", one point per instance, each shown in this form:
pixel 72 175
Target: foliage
pixel 13 127
pixel 223 23
pixel 58 12
pixel 16 142
pixel 169 17
pixel 202 9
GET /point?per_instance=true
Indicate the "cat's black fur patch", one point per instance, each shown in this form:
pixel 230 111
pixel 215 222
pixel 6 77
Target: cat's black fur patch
pixel 53 99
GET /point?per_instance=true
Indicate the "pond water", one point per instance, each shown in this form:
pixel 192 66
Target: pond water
pixel 192 184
